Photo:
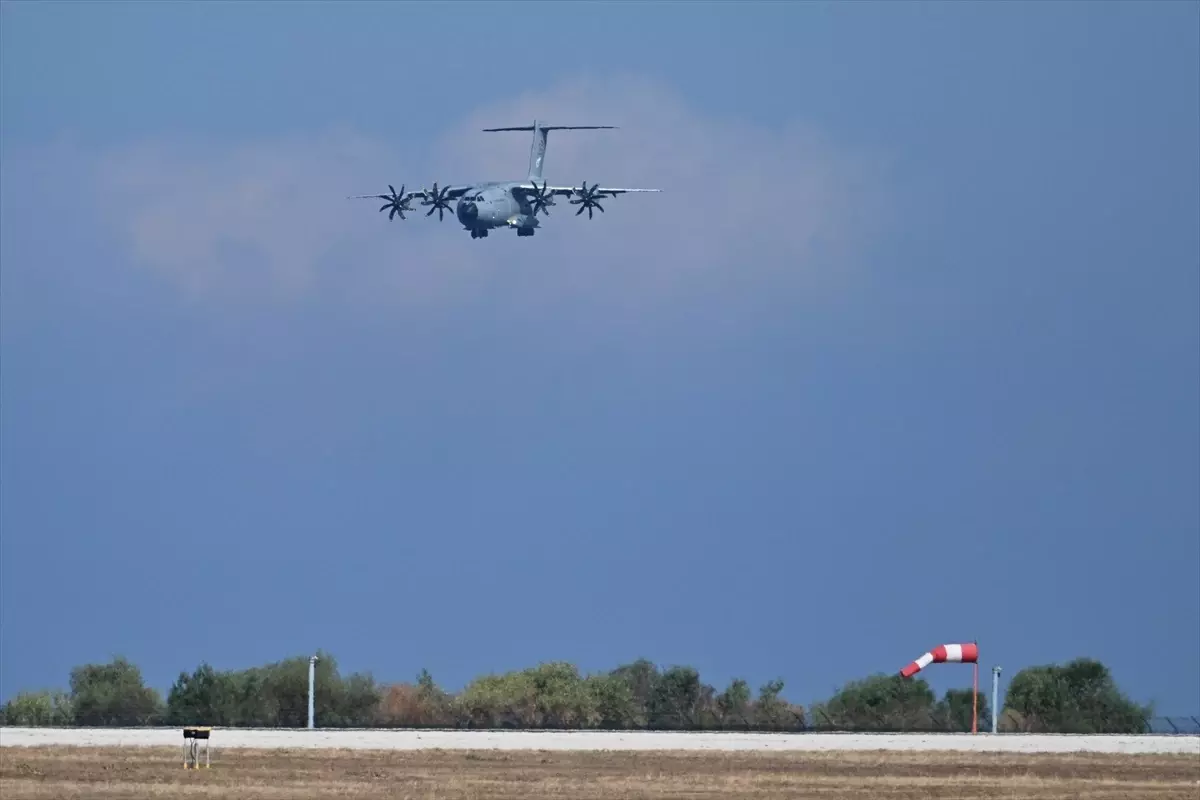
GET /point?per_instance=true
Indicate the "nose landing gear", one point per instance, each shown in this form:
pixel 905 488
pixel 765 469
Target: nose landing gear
pixel 524 231
pixel 479 233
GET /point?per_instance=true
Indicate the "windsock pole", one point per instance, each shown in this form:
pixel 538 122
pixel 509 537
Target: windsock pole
pixel 975 698
pixel 952 654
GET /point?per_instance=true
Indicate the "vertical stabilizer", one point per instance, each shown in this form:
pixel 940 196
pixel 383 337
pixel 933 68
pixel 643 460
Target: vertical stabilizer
pixel 537 150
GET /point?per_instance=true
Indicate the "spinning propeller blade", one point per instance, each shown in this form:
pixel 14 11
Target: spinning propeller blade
pixel 588 199
pixel 395 201
pixel 438 201
pixel 542 199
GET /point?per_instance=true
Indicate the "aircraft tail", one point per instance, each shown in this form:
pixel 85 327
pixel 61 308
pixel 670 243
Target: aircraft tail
pixel 537 151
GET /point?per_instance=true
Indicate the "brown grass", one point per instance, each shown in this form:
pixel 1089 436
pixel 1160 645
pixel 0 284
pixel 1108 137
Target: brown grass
pixel 110 774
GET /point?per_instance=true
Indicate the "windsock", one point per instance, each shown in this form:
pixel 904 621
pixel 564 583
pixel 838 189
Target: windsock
pixel 943 653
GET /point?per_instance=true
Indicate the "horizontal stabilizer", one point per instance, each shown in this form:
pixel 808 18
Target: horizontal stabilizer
pixel 554 128
pixel 537 151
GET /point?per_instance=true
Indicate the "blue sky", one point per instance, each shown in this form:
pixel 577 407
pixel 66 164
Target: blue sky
pixel 907 351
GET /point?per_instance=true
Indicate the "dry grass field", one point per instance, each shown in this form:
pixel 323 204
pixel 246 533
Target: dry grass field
pixel 142 774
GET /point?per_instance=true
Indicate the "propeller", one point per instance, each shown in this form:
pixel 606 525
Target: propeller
pixel 396 201
pixel 588 199
pixel 542 198
pixel 438 201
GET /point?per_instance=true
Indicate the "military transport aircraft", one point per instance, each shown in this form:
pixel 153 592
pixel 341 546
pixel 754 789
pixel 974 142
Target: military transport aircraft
pixel 504 204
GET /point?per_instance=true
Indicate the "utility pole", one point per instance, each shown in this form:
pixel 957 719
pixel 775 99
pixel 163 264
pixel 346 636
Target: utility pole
pixel 995 698
pixel 312 680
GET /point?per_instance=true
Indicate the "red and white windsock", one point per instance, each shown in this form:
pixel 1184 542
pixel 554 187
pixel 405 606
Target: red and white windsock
pixel 942 654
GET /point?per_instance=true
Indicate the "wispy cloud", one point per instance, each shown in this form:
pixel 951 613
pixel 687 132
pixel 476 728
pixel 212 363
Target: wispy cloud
pixel 262 216
pixel 742 206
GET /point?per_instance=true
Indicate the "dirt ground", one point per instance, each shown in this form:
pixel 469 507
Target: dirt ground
pixel 110 774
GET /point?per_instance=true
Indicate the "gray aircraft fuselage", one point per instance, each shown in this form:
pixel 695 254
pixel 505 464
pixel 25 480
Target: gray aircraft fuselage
pixel 495 205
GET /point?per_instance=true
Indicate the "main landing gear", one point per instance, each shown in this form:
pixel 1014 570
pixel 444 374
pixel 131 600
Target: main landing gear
pixel 481 233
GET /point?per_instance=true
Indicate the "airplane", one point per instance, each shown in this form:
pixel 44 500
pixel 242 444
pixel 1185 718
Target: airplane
pixel 490 205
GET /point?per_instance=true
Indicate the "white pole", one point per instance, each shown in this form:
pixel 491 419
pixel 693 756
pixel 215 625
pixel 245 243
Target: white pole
pixel 312 680
pixel 995 698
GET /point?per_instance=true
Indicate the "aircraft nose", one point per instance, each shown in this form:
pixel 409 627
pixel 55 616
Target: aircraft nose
pixel 468 211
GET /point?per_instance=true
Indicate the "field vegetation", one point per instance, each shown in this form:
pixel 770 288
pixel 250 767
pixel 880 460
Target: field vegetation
pixel 111 774
pixel 1077 697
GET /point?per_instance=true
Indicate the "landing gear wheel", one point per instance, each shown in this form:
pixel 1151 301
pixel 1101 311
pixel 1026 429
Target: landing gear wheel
pixel 524 231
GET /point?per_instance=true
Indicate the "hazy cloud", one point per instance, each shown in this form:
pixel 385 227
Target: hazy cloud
pixel 742 206
pixel 259 216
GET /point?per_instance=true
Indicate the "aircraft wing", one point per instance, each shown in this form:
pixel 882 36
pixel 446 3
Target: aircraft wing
pixel 438 199
pixel 600 191
pixel 445 192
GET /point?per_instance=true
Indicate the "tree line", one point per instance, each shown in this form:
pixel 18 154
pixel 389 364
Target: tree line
pixel 1077 697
